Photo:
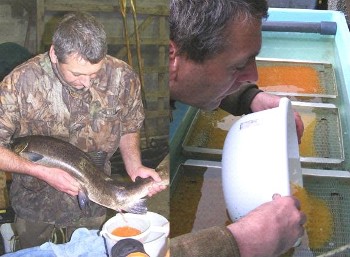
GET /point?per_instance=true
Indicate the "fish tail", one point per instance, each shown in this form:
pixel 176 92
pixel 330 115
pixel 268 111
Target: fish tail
pixel 139 207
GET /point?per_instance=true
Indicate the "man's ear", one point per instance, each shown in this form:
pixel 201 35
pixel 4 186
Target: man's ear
pixel 52 55
pixel 173 60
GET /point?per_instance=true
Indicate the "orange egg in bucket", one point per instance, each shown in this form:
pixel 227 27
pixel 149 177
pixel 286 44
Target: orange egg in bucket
pixel 126 225
pixel 151 229
pixel 123 226
pixel 126 231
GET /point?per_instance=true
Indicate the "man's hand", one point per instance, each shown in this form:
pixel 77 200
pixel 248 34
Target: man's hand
pixel 300 126
pixel 59 179
pixel 145 172
pixel 271 229
pixel 130 150
pixel 264 101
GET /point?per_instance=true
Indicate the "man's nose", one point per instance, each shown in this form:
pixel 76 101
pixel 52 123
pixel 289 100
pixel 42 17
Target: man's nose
pixel 85 80
pixel 250 73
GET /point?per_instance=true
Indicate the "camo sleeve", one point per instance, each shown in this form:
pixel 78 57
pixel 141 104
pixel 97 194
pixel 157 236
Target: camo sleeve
pixel 9 108
pixel 133 112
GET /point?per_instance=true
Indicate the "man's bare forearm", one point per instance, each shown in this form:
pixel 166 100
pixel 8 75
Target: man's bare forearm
pixel 55 177
pixel 11 162
pixel 130 150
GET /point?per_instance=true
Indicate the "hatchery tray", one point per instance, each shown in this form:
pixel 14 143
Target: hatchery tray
pixel 297 78
pixel 322 142
pixel 333 193
pixel 207 133
pixel 326 198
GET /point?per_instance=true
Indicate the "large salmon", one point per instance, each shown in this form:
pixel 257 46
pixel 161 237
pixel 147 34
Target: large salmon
pixel 95 185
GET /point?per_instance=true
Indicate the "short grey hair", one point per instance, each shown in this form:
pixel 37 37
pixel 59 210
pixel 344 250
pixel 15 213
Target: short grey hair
pixel 198 27
pixel 80 33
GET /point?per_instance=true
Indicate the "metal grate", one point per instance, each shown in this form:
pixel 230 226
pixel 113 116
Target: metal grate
pixel 322 141
pixel 335 193
pixel 207 133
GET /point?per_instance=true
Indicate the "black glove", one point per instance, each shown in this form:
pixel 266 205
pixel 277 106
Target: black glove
pixel 128 246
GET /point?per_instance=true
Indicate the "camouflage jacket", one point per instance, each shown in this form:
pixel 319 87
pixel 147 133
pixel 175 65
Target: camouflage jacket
pixel 34 100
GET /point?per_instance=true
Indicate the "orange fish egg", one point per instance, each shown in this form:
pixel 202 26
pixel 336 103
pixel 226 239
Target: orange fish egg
pixel 298 79
pixel 126 231
pixel 319 225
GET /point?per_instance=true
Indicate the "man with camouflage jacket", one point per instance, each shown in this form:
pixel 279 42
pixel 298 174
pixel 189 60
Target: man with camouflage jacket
pixel 75 92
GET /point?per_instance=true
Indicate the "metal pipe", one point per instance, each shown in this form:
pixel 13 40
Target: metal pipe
pixel 323 27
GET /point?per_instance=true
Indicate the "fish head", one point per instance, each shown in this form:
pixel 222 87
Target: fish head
pixel 19 146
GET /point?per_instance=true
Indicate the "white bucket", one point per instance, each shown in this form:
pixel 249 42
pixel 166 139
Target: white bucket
pixel 135 221
pixel 260 158
pixel 154 238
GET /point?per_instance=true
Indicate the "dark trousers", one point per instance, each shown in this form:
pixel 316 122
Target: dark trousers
pixel 30 234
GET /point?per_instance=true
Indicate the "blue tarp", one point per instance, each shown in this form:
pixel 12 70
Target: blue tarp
pixel 84 243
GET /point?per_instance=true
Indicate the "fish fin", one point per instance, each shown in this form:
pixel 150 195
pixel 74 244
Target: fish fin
pixel 139 207
pixel 83 200
pixel 34 157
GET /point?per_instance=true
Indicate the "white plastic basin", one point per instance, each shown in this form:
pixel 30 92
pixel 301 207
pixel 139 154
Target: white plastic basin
pixel 260 158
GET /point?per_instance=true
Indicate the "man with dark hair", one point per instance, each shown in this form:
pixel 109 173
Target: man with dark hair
pixel 78 93
pixel 213 45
